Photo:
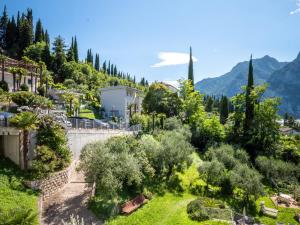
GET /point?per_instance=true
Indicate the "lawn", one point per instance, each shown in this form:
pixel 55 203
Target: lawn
pixel 169 209
pixel 89 114
pixel 285 215
pixel 14 197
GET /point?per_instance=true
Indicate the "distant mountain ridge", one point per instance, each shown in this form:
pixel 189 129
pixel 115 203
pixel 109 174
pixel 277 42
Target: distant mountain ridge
pixel 285 83
pixel 283 79
pixel 230 83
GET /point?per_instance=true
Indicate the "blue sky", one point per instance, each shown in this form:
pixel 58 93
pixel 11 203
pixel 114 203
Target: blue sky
pixel 134 33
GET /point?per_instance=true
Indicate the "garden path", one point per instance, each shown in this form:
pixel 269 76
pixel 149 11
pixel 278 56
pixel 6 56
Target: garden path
pixel 72 199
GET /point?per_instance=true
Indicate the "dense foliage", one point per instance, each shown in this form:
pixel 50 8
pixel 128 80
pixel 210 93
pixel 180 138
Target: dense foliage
pixel 18 204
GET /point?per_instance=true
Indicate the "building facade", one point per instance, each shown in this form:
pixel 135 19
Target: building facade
pixel 121 102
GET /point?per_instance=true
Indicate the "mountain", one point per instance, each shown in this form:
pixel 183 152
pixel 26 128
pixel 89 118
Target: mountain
pixel 230 83
pixel 285 83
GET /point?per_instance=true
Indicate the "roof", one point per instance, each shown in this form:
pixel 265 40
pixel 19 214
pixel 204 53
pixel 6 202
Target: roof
pixel 119 87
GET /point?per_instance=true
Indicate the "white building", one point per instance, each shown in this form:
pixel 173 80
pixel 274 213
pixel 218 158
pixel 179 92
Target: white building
pixel 121 102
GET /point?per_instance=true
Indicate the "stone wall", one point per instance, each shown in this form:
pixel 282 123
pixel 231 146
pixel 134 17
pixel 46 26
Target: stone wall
pixel 51 184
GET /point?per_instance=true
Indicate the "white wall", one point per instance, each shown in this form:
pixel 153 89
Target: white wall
pixel 114 99
pixel 8 77
pixel 11 148
pixel 77 139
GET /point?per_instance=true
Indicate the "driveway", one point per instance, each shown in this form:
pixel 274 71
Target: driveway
pixel 70 200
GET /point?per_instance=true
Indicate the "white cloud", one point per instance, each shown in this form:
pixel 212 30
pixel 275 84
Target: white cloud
pixel 173 58
pixel 296 10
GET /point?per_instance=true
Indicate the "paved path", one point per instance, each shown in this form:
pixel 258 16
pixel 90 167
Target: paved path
pixel 72 199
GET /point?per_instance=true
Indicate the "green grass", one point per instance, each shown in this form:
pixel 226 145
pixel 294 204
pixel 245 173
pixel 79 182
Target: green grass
pixel 285 215
pixel 13 195
pixel 87 115
pixel 169 209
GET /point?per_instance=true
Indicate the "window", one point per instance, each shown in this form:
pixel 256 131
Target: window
pixel 29 81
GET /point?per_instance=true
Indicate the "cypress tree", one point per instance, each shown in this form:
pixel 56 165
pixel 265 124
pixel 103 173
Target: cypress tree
pixel 59 57
pixel 112 69
pixel 11 37
pixel 3 26
pixel 191 68
pixel 70 54
pixel 97 62
pixel 25 35
pixel 29 18
pixel 47 38
pixel 46 56
pixel 224 109
pixel 108 68
pixel 249 112
pixel 104 67
pixel 38 32
pixel 115 71
pixel 76 57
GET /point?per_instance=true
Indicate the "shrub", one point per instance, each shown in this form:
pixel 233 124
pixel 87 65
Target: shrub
pixel 278 171
pixel 51 134
pixel 4 85
pixel 208 208
pixel 25 98
pixel 172 123
pixel 24 87
pixel 45 162
pixel 197 211
pixel 18 216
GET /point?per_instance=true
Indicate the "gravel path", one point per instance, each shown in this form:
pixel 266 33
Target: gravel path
pixel 72 199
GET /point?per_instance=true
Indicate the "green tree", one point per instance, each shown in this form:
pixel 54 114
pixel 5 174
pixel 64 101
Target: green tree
pixel 97 62
pixel 191 69
pixel 249 110
pixel 3 25
pixel 104 67
pixel 209 104
pixel 213 172
pixel 11 38
pixel 76 56
pixel 160 99
pixel 46 56
pixel 247 179
pixel 35 51
pixel 47 38
pixel 224 110
pixel 59 57
pixel 39 32
pixel 70 53
pixel 25 32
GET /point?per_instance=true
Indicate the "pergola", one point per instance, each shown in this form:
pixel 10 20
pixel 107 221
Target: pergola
pixel 34 71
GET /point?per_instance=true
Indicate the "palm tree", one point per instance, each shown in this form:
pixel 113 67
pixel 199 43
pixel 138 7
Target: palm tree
pixel 13 71
pixel 21 72
pixel 26 121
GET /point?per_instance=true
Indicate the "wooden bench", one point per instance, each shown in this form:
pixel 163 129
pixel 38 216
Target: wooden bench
pixel 268 211
pixel 133 204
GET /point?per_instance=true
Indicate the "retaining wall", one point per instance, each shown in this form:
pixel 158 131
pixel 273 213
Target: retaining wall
pixel 78 138
pixel 52 183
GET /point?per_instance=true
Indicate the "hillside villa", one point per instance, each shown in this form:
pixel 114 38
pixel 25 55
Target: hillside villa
pixel 121 102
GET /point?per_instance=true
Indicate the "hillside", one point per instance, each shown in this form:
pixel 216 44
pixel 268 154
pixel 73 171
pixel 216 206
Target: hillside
pixel 230 83
pixel 285 83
